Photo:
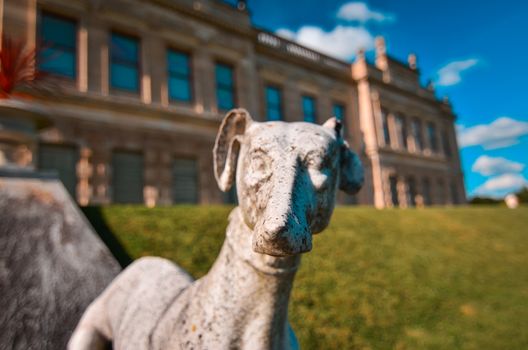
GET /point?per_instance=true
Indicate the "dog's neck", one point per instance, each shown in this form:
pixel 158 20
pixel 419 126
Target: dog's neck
pixel 250 291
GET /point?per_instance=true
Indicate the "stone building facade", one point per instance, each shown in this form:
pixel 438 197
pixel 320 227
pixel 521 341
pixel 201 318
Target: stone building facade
pixel 135 90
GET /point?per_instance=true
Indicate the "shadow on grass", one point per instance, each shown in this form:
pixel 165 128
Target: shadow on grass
pixel 98 222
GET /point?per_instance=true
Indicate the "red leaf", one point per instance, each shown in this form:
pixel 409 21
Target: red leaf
pixel 17 66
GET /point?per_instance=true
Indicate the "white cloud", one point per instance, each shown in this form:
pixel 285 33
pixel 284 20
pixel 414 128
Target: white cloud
pixel 450 74
pixel 341 42
pixel 502 132
pixel 286 33
pixel 488 166
pixel 501 185
pixel 360 12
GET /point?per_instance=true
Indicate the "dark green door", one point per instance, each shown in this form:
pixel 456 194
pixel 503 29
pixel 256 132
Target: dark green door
pixel 185 181
pixel 127 177
pixel 63 160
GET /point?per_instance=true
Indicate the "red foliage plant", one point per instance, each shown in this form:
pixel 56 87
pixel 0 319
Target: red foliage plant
pixel 17 66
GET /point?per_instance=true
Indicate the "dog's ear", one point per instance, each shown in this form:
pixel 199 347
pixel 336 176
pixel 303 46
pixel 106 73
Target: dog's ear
pixel 227 145
pixel 351 174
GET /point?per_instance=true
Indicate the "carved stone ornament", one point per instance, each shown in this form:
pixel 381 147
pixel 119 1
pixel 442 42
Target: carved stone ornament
pixel 287 175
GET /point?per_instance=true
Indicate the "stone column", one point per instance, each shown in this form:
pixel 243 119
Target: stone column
pixel 97 56
pixel 101 181
pixel 204 81
pixel 245 85
pixel 394 143
pixel 427 149
pixel 369 113
pixel 292 101
pixel 324 107
pixel 253 92
pixel 19 20
pixel 402 192
pixel 150 171
pixel 155 64
pixel 82 56
pixel 84 174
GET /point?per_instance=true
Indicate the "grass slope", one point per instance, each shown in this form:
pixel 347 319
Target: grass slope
pixel 391 279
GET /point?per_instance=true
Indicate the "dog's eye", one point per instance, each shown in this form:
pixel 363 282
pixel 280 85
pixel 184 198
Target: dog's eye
pixel 317 161
pixel 259 168
pixel 313 160
pixel 318 166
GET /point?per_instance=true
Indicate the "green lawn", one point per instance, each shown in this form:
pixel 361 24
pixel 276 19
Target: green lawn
pixel 440 278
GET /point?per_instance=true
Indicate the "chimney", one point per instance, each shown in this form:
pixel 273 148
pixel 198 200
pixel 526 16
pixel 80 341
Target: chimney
pixel 412 60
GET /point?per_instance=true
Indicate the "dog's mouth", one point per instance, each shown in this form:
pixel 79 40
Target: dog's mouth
pixel 284 242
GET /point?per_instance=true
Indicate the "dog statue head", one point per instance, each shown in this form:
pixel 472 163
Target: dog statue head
pixel 287 175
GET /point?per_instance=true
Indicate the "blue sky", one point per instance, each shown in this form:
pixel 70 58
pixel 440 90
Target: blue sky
pixel 475 51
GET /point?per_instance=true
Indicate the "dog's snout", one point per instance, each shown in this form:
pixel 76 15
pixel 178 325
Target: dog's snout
pixel 275 226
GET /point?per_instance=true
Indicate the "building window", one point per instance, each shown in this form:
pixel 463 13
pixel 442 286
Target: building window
pixel 393 182
pixel 308 104
pixel 445 143
pixel 401 126
pixel 431 135
pixel 58 37
pixel 124 62
pixel 426 191
pixel 273 103
pixel 416 127
pixel 411 192
pixel 225 87
pixel 179 76
pixel 386 130
pixel 339 113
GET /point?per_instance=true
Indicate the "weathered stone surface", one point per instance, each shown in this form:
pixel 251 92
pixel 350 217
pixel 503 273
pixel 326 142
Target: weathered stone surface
pixel 287 175
pixel 52 264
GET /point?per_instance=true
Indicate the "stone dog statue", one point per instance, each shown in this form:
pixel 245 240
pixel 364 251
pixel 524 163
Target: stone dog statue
pixel 287 175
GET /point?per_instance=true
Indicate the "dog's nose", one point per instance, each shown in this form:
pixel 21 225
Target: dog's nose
pixel 282 232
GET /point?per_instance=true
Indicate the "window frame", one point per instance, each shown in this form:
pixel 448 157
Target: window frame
pixel 138 64
pixel 401 123
pixel 190 75
pixel 40 43
pixel 446 144
pixel 314 100
pixel 233 87
pixel 411 191
pixel 416 126
pixel 433 146
pixel 393 188
pixel 385 128
pixel 279 108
